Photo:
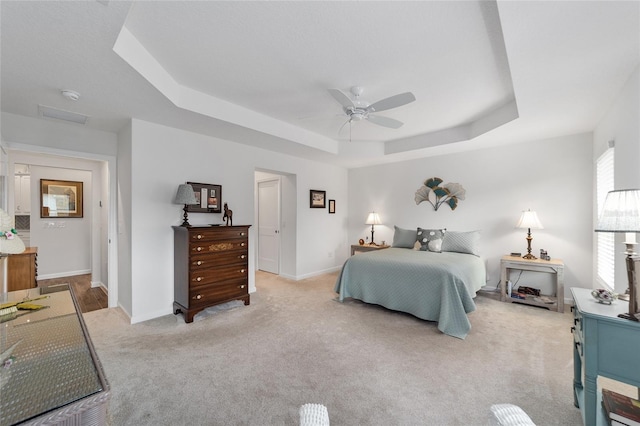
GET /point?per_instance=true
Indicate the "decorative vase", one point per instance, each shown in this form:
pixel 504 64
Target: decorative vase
pixel 604 296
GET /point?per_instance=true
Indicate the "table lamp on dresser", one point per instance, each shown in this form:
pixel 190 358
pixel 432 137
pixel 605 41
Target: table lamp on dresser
pixel 187 197
pixel 621 213
pixel 10 243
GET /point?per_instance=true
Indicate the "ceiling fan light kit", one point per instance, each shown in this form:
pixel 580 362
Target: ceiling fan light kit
pixel 358 110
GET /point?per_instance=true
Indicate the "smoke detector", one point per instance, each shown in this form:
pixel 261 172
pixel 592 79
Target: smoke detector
pixel 71 95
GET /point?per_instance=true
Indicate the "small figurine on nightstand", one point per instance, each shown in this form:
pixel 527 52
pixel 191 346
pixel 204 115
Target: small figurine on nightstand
pixel 544 255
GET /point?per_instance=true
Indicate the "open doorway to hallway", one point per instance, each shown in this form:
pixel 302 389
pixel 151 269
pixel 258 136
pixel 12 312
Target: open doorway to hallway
pixel 276 219
pixel 69 249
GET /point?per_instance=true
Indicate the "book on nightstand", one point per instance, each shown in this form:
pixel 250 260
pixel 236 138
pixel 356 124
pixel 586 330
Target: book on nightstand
pixel 621 409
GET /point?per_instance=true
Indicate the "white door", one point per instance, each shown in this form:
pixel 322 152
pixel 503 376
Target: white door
pixel 269 226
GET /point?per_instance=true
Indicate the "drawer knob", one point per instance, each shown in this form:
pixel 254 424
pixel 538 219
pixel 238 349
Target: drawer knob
pixel 198 248
pixel 242 234
pixel 242 271
pixel 199 236
pixel 573 329
pixel 572 308
pixel 242 245
pixel 199 279
pixel 243 256
pixel 576 344
pixel 241 286
pixel 199 296
pixel 199 262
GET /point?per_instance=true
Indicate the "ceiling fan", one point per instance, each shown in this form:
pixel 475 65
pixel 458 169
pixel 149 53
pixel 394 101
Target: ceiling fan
pixel 358 110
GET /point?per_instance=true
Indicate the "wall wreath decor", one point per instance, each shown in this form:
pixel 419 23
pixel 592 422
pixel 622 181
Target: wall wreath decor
pixel 436 195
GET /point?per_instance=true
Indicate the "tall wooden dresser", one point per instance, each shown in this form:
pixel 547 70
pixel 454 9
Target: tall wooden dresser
pixel 211 266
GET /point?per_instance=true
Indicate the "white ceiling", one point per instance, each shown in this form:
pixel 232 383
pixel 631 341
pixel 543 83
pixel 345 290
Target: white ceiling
pixel 483 72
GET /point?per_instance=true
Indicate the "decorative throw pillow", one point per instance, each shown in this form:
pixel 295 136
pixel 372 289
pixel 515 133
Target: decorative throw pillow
pixel 462 242
pixel 404 238
pixel 431 239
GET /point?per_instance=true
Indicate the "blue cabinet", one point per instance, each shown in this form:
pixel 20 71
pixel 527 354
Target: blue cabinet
pixel 603 345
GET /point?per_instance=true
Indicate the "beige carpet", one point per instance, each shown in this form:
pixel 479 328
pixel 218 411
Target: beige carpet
pixel 257 364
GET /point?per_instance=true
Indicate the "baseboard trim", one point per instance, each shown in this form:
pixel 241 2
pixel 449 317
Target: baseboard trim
pixel 63 274
pixel 311 274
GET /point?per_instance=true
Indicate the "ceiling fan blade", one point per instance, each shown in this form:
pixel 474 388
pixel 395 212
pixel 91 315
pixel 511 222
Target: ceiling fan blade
pixel 341 98
pixel 392 102
pixel 385 121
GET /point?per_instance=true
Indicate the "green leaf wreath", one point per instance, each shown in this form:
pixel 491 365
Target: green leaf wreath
pixel 436 195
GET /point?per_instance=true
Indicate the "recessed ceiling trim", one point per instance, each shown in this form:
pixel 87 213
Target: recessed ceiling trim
pixel 135 54
pixel 58 114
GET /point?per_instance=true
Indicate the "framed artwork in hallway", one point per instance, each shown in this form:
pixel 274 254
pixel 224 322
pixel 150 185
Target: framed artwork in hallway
pixel 60 198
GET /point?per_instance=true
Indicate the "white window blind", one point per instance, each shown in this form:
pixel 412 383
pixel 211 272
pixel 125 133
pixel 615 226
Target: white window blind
pixel 605 250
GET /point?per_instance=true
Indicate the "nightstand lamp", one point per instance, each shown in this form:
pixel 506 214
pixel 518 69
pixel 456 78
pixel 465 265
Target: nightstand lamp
pixel 186 196
pixel 621 213
pixel 529 220
pixel 373 219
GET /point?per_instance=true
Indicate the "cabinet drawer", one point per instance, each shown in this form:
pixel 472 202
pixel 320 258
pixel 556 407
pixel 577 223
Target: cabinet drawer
pixel 222 273
pixel 205 295
pixel 218 233
pixel 217 246
pixel 206 260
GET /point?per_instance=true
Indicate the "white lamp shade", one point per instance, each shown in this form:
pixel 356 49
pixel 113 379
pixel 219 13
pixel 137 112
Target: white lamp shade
pixel 185 195
pixel 373 219
pixel 529 220
pixel 621 212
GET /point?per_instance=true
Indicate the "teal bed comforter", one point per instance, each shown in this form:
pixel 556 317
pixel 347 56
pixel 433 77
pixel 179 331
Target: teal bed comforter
pixel 432 286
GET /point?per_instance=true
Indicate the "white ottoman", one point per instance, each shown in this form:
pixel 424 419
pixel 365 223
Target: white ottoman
pixel 314 415
pixel 509 415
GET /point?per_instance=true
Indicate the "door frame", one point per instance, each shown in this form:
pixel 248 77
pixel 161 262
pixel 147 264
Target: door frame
pixel 278 180
pixel 112 235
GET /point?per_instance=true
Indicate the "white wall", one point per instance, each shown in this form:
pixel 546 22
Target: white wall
pixel 620 124
pixel 163 157
pixel 552 177
pixel 123 196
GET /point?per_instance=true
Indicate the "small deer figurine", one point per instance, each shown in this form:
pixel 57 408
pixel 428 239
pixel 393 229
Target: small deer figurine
pixel 228 215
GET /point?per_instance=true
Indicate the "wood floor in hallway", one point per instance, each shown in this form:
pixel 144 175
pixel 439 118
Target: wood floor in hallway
pixel 89 298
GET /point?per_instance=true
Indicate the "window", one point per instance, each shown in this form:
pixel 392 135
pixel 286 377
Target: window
pixel 605 241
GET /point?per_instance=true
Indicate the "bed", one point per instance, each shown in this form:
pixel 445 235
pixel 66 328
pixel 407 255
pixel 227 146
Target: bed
pixel 434 286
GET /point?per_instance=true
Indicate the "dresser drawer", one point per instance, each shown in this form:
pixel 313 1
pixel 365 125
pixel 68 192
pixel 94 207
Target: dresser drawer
pixel 206 261
pixel 215 293
pixel 217 246
pixel 216 275
pixel 217 234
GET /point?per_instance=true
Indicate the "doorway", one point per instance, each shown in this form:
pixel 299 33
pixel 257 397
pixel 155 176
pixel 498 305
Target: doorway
pixel 276 203
pixel 269 225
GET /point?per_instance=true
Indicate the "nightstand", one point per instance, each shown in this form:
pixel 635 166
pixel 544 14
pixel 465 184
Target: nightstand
pixel 357 248
pixel 553 266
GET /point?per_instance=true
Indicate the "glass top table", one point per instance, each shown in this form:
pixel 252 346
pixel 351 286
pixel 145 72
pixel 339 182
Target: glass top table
pixel 49 371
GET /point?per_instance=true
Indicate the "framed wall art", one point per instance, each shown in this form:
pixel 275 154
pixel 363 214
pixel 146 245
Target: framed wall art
pixel 209 198
pixel 60 198
pixel 317 199
pixel 332 206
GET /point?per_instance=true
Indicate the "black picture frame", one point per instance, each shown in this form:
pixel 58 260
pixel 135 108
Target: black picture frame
pixel 332 206
pixel 317 199
pixel 209 198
